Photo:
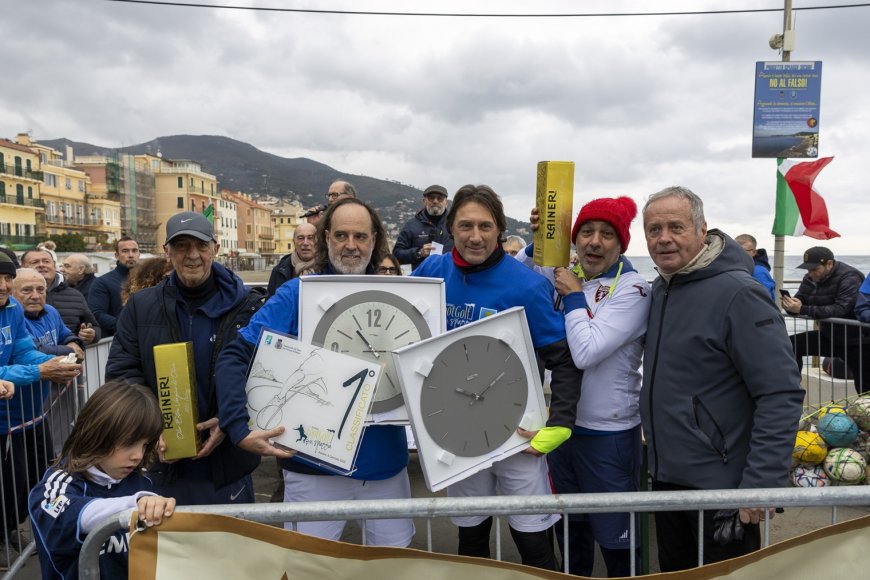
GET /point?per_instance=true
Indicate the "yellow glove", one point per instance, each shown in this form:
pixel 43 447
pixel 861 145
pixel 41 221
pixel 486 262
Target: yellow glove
pixel 549 438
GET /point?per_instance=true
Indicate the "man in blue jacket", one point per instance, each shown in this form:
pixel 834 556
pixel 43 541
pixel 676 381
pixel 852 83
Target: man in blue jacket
pixel 761 265
pixel 416 239
pixel 350 239
pixel 204 303
pixel 21 365
pixel 104 296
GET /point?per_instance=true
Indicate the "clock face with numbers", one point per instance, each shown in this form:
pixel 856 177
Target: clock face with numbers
pixel 370 325
pixel 475 395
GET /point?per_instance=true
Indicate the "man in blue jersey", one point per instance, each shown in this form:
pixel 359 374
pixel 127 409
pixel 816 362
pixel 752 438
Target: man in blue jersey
pixel 350 240
pixel 482 279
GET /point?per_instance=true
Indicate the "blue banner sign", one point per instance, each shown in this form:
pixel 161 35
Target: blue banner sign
pixel 786 120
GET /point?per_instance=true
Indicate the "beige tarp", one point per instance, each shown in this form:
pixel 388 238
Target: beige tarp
pixel 193 546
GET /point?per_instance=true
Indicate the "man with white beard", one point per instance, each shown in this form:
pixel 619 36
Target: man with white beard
pixel 350 240
pixel 416 239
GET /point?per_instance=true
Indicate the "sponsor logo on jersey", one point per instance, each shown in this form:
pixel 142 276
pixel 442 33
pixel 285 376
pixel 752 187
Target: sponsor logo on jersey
pixel 55 506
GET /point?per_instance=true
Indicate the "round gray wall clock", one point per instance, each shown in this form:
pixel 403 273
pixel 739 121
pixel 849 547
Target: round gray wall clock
pixel 475 396
pixel 370 325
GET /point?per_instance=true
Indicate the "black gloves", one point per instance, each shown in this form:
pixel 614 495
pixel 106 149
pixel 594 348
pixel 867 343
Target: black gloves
pixel 727 527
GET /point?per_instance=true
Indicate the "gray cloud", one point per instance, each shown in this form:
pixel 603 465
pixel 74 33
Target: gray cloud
pixel 637 103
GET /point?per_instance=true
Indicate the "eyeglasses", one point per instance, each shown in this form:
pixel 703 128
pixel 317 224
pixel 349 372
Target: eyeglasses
pixel 387 270
pixel 332 195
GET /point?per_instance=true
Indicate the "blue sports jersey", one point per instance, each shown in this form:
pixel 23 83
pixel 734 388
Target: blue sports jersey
pixel 55 507
pixel 506 284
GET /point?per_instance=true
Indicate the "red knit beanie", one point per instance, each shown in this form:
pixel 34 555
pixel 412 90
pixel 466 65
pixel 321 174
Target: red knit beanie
pixel 617 211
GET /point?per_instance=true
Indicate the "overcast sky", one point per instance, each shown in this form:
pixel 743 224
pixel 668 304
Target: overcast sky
pixel 639 103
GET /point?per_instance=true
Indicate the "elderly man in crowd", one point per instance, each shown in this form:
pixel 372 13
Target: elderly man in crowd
pixel 513 244
pixel 338 189
pixel 297 262
pixel 721 395
pixel 78 273
pixel 204 303
pixel 70 303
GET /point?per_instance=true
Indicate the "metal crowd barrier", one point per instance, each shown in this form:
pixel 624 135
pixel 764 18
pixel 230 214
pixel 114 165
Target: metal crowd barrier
pixel 28 448
pixel 636 502
pixel 821 388
pixel 837 358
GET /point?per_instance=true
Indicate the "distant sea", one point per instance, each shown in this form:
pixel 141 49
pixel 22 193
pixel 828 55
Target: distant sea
pixel 770 146
pixel 645 266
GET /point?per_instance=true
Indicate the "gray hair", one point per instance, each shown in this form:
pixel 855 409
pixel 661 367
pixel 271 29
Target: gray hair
pixel 684 193
pixel 515 239
pixel 743 238
pixel 82 260
pixel 349 189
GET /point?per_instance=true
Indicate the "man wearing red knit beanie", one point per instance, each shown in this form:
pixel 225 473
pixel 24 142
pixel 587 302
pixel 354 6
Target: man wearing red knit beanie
pixel 606 304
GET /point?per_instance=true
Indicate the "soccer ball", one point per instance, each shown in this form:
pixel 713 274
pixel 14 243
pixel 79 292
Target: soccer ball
pixel 859 410
pixel 845 466
pixel 810 476
pixel 830 408
pixel 809 448
pixel 837 429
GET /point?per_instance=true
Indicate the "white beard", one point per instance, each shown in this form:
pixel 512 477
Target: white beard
pixel 343 269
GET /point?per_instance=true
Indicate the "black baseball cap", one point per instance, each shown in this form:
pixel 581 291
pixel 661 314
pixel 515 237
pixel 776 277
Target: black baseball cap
pixel 7 266
pixel 189 223
pixel 816 256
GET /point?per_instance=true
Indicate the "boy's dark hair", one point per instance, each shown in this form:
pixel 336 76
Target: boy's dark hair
pixel 116 415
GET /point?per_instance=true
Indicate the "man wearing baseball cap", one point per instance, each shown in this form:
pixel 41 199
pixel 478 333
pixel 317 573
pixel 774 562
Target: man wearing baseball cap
pixel 428 227
pixel 202 302
pixel 830 290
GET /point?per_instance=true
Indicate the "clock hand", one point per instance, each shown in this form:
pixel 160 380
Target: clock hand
pixel 474 396
pixel 488 387
pixel 368 344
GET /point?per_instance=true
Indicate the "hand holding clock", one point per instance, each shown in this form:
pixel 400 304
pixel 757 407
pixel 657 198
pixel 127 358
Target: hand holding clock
pixel 258 442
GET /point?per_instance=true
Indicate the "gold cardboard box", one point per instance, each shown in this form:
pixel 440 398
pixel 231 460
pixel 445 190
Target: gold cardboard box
pixel 554 199
pixel 176 395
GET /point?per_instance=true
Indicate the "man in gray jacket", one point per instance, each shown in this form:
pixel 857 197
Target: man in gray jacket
pixel 721 396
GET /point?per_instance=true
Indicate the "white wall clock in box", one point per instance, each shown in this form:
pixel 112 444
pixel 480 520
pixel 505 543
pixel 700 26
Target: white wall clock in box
pixel 467 391
pixel 369 317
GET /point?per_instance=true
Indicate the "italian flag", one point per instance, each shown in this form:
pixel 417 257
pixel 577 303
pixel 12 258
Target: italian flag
pixel 800 210
pixel 209 212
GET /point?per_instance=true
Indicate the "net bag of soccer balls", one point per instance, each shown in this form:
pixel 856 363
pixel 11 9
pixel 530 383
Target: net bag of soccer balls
pixel 831 447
